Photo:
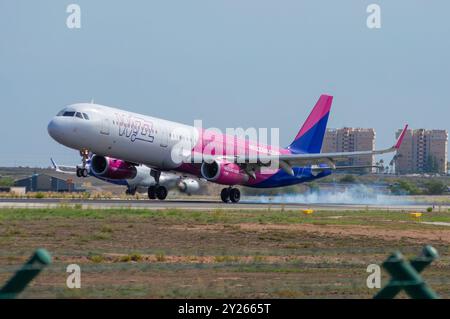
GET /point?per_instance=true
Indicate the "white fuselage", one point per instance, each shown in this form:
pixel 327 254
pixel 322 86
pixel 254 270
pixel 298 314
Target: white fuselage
pixel 117 133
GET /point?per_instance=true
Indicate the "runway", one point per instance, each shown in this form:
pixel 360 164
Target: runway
pixel 201 205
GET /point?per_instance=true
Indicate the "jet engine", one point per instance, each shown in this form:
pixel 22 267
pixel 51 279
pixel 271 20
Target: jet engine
pixel 112 168
pixel 222 172
pixel 188 186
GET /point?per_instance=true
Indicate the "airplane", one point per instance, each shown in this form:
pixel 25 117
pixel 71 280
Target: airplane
pixel 125 140
pixel 137 180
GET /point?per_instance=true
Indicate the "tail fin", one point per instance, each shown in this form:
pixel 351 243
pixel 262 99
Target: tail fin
pixel 310 137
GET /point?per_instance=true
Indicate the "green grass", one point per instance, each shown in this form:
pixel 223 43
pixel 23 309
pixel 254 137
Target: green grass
pixel 96 258
pixel 112 247
pixel 125 259
pixel 369 217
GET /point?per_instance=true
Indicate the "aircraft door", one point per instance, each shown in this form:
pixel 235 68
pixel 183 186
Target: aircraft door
pixel 164 137
pixel 104 128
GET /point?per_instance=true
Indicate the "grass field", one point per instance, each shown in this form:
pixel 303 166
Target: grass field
pixel 198 254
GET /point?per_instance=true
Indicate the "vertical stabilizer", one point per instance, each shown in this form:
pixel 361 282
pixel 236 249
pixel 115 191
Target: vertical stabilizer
pixel 310 137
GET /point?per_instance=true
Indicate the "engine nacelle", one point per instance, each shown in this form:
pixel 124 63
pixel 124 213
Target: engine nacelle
pixel 142 178
pixel 188 186
pixel 222 172
pixel 112 168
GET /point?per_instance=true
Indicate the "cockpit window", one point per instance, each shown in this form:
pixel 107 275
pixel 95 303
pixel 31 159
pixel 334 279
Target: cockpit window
pixel 69 114
pixel 65 112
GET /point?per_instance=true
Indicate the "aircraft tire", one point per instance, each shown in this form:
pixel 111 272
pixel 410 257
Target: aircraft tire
pixel 131 192
pixel 225 195
pixel 151 192
pixel 161 192
pixel 235 195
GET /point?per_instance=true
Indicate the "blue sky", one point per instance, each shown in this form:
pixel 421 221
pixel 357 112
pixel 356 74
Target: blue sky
pixel 253 63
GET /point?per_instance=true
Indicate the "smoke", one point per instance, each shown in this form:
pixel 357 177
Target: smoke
pixel 353 194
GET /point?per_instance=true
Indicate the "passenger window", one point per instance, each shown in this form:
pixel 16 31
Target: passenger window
pixel 69 114
pixel 86 116
pixel 79 115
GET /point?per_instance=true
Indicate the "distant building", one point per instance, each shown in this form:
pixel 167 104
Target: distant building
pixel 47 183
pixel 13 190
pixel 423 151
pixel 349 139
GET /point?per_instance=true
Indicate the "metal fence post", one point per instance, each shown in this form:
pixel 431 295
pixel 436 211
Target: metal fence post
pixel 405 275
pixel 26 274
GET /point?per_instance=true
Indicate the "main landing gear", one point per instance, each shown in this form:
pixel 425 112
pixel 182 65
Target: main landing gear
pixel 82 171
pixel 130 191
pixel 230 194
pixel 157 191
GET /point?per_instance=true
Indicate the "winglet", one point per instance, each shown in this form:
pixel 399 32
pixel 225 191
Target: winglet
pixel 400 138
pixel 54 164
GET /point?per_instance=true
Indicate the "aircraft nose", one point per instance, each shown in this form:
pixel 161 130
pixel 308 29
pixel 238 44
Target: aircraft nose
pixel 54 129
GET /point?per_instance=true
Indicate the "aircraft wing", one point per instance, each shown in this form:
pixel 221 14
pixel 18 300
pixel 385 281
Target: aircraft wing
pixel 71 170
pixel 286 161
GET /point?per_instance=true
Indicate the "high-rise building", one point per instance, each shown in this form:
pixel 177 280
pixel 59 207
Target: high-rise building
pixel 349 139
pixel 422 151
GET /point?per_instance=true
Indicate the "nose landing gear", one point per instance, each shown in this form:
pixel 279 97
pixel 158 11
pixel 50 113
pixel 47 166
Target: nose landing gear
pixel 230 194
pixel 82 171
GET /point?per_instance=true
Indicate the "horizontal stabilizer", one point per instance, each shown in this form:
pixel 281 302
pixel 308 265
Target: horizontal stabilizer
pixel 325 168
